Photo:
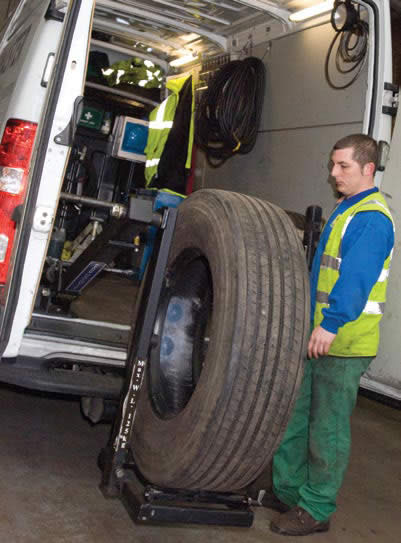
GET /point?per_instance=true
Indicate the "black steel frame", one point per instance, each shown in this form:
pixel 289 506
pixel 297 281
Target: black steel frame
pixel 143 501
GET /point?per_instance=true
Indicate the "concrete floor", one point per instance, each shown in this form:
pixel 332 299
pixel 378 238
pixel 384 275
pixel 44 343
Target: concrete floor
pixel 49 482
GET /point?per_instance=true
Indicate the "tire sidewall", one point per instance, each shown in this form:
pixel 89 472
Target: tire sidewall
pixel 184 435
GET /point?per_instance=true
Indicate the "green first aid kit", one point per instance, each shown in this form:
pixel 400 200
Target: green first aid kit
pixel 91 118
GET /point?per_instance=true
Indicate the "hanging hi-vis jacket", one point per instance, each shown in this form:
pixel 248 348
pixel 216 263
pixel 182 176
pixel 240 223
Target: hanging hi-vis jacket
pixel 160 123
pixel 361 336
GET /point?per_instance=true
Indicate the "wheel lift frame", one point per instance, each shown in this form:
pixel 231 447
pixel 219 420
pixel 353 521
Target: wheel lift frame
pixel 147 503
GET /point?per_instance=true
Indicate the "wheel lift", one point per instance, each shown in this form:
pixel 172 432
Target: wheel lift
pixel 145 502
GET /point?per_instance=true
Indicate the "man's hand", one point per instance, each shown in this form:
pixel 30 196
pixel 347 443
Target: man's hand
pixel 320 342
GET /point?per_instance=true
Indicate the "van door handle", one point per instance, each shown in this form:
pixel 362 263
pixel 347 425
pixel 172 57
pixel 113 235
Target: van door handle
pixel 48 69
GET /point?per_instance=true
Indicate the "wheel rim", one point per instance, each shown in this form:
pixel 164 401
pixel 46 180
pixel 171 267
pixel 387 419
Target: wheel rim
pixel 181 334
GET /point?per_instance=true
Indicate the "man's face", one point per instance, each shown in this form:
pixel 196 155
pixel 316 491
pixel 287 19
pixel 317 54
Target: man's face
pixel 350 178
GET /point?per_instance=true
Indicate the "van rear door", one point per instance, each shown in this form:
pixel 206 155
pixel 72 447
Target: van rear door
pixel 43 55
pixel 384 374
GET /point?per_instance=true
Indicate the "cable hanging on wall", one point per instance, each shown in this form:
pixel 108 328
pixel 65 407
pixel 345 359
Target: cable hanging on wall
pixel 228 115
pixel 353 35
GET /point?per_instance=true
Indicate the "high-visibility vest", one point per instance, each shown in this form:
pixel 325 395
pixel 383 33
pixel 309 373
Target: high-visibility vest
pixel 160 123
pixel 361 336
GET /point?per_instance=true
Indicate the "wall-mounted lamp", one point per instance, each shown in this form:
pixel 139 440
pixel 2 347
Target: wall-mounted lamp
pixel 312 11
pixel 180 61
pixel 344 16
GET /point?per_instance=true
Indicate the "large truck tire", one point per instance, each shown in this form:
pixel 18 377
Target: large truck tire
pixel 229 343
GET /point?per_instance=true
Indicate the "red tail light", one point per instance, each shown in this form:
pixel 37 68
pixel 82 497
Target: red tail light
pixel 15 155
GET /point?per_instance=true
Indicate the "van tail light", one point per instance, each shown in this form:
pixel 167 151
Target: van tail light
pixel 15 155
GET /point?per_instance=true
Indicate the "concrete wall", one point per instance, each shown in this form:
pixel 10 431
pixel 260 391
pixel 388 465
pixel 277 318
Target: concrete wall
pixel 302 118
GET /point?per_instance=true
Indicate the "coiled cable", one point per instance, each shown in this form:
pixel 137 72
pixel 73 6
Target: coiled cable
pixel 351 53
pixel 228 115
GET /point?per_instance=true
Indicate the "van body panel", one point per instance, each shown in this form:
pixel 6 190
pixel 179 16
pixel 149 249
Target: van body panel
pixel 53 171
pixel 302 118
pixel 386 368
pixel 380 72
pixel 46 347
pixel 21 55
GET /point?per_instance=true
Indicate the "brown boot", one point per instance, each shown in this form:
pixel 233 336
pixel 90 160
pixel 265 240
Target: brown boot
pixel 297 521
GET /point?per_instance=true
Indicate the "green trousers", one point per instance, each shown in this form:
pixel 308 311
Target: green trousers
pixel 310 463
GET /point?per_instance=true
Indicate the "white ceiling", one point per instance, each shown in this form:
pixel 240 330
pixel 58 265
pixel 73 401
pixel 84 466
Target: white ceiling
pixel 171 27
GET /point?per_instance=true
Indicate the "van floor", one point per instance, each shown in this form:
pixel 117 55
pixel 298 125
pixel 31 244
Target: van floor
pixel 49 481
pixel 108 298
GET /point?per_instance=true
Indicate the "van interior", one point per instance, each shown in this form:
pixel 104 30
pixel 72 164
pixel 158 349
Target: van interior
pixel 316 89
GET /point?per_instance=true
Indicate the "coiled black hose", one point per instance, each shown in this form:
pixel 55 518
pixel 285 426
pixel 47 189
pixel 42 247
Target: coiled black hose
pixel 228 115
pixel 351 53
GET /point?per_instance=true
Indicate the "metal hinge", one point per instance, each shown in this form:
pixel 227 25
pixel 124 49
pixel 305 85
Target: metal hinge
pixel 394 99
pixel 66 136
pixel 54 11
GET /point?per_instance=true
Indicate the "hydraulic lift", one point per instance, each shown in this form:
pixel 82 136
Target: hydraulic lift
pixel 146 502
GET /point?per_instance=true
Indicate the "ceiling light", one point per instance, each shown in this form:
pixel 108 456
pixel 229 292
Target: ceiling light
pixel 312 11
pixel 183 60
pixel 122 21
pixel 189 37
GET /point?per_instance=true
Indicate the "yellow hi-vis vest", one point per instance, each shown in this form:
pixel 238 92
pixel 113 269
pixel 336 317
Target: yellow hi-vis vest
pixel 361 336
pixel 160 123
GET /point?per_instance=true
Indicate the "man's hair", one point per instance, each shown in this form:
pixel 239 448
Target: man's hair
pixel 364 148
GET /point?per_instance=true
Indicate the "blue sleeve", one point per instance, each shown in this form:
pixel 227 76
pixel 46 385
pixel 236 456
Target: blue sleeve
pixel 366 245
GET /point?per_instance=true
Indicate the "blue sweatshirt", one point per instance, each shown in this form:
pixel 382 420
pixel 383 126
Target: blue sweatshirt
pixel 367 243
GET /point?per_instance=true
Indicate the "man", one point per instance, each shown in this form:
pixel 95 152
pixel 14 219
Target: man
pixel 348 286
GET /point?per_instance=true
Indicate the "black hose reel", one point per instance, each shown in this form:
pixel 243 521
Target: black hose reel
pixel 352 48
pixel 228 116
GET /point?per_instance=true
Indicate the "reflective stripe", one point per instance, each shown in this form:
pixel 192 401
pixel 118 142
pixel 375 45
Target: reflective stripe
pixel 160 111
pixel 374 308
pixel 322 297
pixel 346 224
pixel 374 202
pixel 383 276
pixel 331 262
pixel 160 125
pixel 349 219
pixel 152 162
pixel 371 308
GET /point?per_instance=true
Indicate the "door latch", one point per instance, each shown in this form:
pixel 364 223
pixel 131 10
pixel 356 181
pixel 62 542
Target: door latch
pixel 43 219
pixel 393 99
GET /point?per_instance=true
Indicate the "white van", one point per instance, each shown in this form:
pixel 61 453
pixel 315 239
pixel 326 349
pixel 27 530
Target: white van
pixel 70 268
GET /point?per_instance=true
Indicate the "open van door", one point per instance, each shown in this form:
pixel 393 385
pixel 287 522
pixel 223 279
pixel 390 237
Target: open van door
pixel 43 55
pixel 384 374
